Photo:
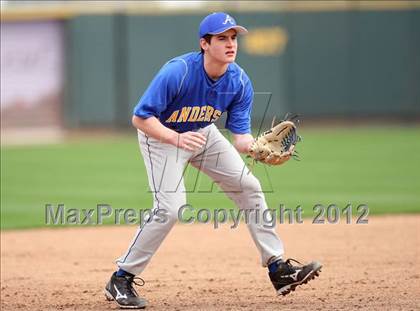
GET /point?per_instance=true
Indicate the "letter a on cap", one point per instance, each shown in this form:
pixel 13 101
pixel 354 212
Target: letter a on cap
pixel 228 19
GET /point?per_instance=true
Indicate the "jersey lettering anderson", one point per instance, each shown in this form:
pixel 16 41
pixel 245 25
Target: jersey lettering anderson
pixel 184 98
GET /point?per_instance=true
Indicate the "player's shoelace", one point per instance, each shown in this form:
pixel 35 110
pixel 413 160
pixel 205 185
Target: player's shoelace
pixel 289 263
pixel 140 279
pixel 129 284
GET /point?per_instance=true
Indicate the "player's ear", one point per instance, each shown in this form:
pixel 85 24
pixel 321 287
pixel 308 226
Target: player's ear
pixel 203 44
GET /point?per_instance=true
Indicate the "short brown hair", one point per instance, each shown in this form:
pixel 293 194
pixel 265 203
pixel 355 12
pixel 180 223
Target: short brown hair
pixel 208 40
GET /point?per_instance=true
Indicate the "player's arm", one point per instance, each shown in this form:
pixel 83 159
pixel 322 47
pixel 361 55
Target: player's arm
pixel 239 117
pixel 160 92
pixel 242 142
pixel 151 126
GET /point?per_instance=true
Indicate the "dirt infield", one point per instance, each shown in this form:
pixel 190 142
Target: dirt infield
pixel 374 266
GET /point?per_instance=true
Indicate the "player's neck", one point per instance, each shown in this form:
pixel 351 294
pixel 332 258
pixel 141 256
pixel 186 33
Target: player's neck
pixel 213 68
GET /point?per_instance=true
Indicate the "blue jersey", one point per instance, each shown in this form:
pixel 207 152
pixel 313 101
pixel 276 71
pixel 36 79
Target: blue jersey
pixel 184 98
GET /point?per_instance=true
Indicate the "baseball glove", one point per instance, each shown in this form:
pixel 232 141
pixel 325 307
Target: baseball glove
pixel 277 145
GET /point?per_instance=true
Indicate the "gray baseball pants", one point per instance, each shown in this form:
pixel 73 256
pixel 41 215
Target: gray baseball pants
pixel 165 165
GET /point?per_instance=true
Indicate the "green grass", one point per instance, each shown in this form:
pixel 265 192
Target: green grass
pixel 376 166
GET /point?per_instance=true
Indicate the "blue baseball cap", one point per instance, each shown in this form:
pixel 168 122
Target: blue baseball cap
pixel 219 22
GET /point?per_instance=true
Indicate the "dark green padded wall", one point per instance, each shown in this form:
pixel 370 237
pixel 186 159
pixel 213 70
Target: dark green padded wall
pixel 91 71
pixel 354 63
pixel 347 63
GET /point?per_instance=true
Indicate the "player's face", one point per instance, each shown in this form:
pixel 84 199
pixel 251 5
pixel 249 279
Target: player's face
pixel 223 47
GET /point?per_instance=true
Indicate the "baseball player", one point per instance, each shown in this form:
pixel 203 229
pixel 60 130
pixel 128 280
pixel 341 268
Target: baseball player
pixel 174 119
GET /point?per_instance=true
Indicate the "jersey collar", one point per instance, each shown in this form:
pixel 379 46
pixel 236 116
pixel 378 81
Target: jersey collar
pixel 211 82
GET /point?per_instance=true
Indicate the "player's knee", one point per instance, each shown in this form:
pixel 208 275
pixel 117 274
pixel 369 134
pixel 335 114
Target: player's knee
pixel 170 205
pixel 250 185
pixel 173 213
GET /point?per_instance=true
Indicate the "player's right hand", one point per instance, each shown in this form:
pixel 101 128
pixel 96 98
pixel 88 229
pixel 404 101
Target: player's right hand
pixel 190 141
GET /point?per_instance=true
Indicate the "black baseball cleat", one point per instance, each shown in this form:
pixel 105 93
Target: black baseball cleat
pixel 287 277
pixel 120 289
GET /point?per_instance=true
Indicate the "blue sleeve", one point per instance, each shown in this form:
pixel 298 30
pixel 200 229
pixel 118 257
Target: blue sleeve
pixel 239 112
pixel 162 90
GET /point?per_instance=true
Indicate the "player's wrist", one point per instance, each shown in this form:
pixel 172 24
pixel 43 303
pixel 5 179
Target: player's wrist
pixel 243 143
pixel 173 138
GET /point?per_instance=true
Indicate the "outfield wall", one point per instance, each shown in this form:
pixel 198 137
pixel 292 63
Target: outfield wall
pixel 319 63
